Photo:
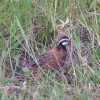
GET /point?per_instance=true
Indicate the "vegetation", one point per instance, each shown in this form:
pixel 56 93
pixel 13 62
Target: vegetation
pixel 22 21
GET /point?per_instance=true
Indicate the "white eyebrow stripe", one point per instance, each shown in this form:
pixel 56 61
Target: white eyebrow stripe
pixel 63 40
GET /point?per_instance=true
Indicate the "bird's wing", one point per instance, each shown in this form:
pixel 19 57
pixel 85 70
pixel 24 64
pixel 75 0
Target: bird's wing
pixel 45 58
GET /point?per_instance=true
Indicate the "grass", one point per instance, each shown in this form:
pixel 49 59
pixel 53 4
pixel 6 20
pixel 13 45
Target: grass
pixel 16 29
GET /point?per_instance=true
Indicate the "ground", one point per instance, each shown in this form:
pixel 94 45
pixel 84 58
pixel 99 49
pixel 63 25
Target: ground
pixel 30 26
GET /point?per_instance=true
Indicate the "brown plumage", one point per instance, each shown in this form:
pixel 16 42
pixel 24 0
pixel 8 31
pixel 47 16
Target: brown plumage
pixel 53 58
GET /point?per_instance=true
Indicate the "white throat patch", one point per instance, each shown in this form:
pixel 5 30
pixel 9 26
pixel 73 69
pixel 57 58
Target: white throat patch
pixel 64 43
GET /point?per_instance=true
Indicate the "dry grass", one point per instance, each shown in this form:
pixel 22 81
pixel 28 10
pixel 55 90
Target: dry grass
pixel 30 26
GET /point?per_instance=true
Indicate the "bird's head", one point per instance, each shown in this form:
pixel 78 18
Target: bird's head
pixel 63 42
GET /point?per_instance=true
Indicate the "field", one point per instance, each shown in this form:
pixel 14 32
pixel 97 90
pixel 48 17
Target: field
pixel 30 26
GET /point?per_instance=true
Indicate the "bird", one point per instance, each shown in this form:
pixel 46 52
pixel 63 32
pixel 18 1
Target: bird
pixel 54 57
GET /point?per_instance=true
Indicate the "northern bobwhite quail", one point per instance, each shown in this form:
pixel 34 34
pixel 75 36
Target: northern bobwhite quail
pixel 53 58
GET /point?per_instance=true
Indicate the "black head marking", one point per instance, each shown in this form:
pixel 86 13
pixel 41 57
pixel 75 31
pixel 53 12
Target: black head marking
pixel 63 42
